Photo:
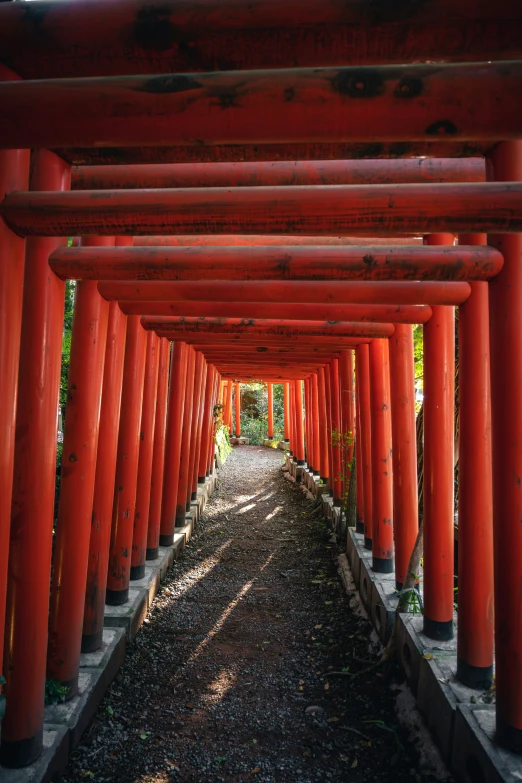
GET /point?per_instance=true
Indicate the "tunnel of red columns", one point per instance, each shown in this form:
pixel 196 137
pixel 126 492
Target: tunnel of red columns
pixel 119 503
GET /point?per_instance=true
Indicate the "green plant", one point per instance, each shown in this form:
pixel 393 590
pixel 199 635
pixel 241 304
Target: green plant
pixel 55 692
pixel 222 440
pixel 345 441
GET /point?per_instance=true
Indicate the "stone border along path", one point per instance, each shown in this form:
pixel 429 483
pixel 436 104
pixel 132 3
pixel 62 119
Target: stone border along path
pixel 229 678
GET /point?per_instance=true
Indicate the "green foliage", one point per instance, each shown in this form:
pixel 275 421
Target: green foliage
pixel 222 439
pixel 254 412
pixel 418 356
pixel 55 692
pixel 346 442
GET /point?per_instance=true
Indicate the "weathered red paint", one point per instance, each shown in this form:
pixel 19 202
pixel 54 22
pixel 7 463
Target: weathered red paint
pixel 276 263
pixel 148 418
pixel 332 209
pixel 176 407
pixel 283 291
pixel 475 628
pixel 251 240
pixel 362 370
pixel 505 163
pixel 437 147
pixel 382 469
pixel 405 500
pixel 80 447
pixel 68 39
pixel 277 173
pixel 414 314
pixel 439 394
pixel 158 457
pixel 124 502
pixel 260 326
pixel 38 347
pixel 97 569
pixel 269 106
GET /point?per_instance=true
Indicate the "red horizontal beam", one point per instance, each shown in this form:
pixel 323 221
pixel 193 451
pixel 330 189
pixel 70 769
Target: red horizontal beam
pixel 381 103
pixel 254 347
pixel 408 314
pixel 264 326
pixel 276 263
pixel 287 291
pixel 327 342
pixel 278 173
pixel 67 38
pixel 252 240
pixel 339 150
pixel 332 209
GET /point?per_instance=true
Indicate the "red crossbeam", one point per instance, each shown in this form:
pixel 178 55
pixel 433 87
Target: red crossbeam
pixel 332 209
pixel 276 263
pixel 286 291
pixel 67 38
pixel 408 314
pixel 381 104
pixel 265 326
pixel 278 173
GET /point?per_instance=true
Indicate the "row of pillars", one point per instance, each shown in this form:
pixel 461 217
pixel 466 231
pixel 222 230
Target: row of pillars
pixel 138 439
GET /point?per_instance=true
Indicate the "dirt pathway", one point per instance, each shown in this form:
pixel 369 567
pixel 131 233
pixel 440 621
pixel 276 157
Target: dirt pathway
pixel 228 679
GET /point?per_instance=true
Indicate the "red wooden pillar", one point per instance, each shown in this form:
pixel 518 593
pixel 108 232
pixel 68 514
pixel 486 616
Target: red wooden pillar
pixel 80 449
pixel 336 431
pixel 309 435
pixel 299 430
pixel 329 443
pixel 184 462
pixel 505 295
pixel 14 175
pixel 127 464
pixel 362 357
pixel 158 455
pixel 199 400
pixel 206 432
pixel 230 403
pixel 475 627
pixel 382 469
pixel 212 443
pixel 238 410
pixel 104 482
pixel 346 387
pixel 173 440
pixel 293 438
pixel 148 417
pixel 34 475
pixel 315 424
pixel 405 496
pixel 359 473
pixel 323 428
pixel 270 388
pixel 439 412
pixel 286 411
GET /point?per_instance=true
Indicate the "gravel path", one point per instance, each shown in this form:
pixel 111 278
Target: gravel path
pixel 229 678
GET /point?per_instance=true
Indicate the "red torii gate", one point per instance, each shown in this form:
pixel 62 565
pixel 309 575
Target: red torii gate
pixel 395 118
